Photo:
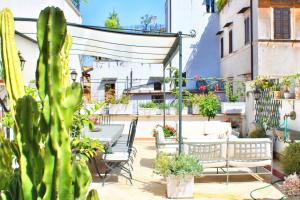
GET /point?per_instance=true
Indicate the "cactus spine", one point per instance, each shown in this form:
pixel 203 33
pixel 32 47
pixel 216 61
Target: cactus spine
pixel 48 169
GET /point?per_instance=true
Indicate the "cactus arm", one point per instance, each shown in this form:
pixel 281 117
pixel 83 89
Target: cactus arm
pixel 11 62
pixel 65 60
pixel 93 195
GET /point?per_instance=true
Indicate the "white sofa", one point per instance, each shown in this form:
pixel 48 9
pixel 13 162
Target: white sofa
pixel 233 153
pixel 165 145
pixel 197 131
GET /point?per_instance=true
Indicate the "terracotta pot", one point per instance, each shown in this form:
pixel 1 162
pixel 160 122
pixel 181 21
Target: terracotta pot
pixel 277 94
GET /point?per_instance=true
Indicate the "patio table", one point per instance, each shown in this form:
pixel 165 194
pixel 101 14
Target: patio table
pixel 108 134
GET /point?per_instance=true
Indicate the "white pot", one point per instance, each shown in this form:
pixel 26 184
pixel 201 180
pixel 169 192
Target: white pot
pixel 233 107
pixel 195 109
pixel 122 109
pixel 288 95
pixel 180 187
pixel 147 111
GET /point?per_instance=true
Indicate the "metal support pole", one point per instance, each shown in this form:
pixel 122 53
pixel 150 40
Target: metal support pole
pixel 164 91
pixel 180 93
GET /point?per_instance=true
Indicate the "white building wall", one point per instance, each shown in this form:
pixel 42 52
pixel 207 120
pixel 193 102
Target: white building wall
pixel 238 62
pixel 29 49
pixel 200 54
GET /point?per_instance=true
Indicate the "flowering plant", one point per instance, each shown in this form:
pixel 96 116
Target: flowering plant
pixel 169 131
pixel 202 88
pixel 291 185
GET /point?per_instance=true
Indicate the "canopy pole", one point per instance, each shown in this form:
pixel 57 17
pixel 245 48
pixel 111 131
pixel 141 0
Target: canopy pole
pixel 180 93
pixel 164 91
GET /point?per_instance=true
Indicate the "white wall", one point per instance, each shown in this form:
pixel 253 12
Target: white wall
pixel 238 62
pixel 200 54
pixel 29 49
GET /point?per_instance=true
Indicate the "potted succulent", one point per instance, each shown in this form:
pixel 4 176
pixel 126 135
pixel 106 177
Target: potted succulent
pixel 286 82
pixel 277 90
pixel 179 171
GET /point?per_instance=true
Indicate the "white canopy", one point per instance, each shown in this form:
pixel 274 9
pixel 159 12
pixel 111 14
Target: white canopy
pixel 127 46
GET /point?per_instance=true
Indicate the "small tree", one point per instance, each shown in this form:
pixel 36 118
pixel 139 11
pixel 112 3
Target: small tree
pixel 147 20
pixel 209 105
pixel 113 21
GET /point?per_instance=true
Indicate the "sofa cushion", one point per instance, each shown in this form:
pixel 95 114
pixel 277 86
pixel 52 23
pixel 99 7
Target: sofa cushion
pixel 217 128
pixel 259 163
pixel 192 129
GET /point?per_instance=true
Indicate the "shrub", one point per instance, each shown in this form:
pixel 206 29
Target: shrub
pixel 148 105
pixel 123 100
pixel 258 132
pixel 291 159
pixel 209 105
pixel 180 165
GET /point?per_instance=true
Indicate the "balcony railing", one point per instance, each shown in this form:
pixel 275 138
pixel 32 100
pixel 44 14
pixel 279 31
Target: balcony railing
pixel 76 3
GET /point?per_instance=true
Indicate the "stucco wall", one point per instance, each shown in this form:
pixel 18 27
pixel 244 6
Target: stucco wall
pixel 200 54
pixel 238 62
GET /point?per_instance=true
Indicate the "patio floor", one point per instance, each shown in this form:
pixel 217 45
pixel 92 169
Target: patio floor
pixel 149 186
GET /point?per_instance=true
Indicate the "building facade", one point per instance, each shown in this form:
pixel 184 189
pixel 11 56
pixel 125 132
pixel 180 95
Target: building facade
pixel 200 54
pixel 275 38
pixel 28 47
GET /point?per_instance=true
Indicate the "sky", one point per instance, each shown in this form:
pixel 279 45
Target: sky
pixel 95 12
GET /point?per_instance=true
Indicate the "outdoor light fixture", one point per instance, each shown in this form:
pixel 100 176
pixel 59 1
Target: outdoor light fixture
pixel 257 94
pixel 22 60
pixel 193 33
pixel 74 75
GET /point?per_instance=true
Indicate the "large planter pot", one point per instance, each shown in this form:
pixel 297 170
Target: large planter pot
pixel 180 187
pixel 195 109
pixel 277 94
pixel 121 109
pixel 184 111
pixel 297 92
pixel 233 107
pixel 288 95
pixel 147 111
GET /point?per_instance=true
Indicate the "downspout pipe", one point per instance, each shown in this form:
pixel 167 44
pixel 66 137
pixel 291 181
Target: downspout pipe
pixel 251 40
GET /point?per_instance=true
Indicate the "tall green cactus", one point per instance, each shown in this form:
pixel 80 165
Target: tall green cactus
pixel 48 169
pixel 64 54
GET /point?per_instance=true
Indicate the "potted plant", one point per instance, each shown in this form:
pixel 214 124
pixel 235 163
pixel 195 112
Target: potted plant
pixel 176 108
pixel 179 171
pixel 297 86
pixel 290 159
pixel 148 108
pixel 277 90
pixel 286 82
pixel 194 100
pixel 234 103
pixel 209 105
pixel 291 186
pixel 121 106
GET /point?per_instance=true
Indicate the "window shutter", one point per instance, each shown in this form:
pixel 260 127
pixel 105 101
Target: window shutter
pixel 222 47
pixel 282 23
pixel 230 42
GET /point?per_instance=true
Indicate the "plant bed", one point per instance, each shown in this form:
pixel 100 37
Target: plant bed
pixel 121 109
pixel 233 107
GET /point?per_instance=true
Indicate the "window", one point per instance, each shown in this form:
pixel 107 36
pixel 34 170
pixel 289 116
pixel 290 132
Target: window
pixel 222 47
pixel 230 42
pixel 247 30
pixel 157 86
pixel 282 23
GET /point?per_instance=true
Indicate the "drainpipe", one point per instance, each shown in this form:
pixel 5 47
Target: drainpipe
pixel 251 39
pixel 131 79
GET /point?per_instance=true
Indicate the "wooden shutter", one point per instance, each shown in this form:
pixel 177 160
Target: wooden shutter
pixel 247 30
pixel 230 42
pixel 282 23
pixel 222 47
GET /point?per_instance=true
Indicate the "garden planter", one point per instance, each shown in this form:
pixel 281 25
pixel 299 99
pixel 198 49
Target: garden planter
pixel 180 187
pixel 122 109
pixel 172 111
pixel 195 109
pixel 147 111
pixel 277 94
pixel 159 112
pixel 233 107
pixel 288 95
pixel 184 111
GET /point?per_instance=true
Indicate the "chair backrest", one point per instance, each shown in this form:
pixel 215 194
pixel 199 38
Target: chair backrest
pixel 208 150
pixel 245 149
pixel 105 119
pixel 132 135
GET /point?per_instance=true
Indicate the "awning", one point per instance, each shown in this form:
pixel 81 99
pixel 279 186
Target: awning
pixel 127 46
pixel 228 24
pixel 243 10
pixel 219 32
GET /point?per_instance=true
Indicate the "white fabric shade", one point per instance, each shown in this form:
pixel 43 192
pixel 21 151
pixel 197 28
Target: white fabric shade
pixel 113 44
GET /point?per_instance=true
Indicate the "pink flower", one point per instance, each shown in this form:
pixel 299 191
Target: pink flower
pixel 216 87
pixel 197 77
pixel 202 88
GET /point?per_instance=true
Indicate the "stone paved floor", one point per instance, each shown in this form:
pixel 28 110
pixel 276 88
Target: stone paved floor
pixel 148 186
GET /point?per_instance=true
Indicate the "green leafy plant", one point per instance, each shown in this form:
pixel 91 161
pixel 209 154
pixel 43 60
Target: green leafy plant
pixel 258 132
pixel 168 130
pixel 291 159
pixel 180 165
pixel 148 105
pixel 124 99
pixel 164 106
pixel 286 82
pixel 87 147
pixel 221 4
pixel 8 120
pixel 209 105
